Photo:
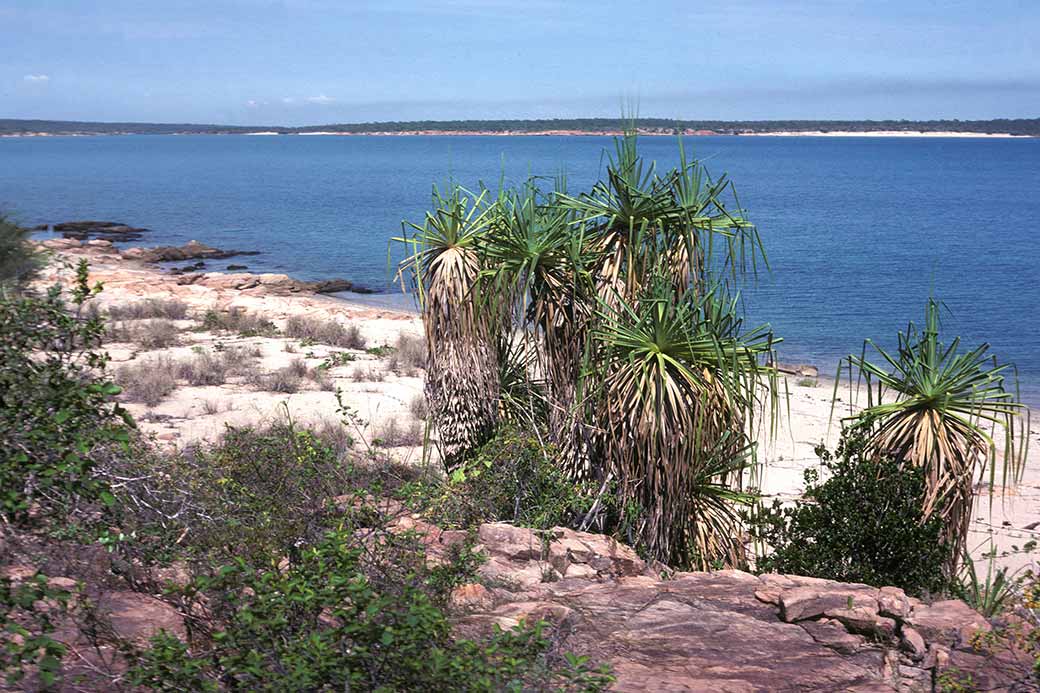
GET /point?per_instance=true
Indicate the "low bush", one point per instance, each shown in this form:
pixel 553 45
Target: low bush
pixel 168 308
pixel 392 433
pixel 863 524
pixel 147 334
pixel 204 368
pixel 239 321
pixel 257 493
pixel 408 356
pixel 419 407
pixel 510 479
pixel 19 260
pixel 29 646
pixel 147 381
pixel 314 330
pixel 323 623
pixel 56 403
pixel 368 374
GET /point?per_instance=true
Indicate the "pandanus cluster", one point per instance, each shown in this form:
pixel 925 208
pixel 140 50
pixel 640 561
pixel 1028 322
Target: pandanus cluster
pixel 604 321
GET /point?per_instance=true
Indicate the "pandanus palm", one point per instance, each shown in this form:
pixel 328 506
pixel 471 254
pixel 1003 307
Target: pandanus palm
pixel 679 376
pixel 445 268
pixel 934 408
pixel 608 297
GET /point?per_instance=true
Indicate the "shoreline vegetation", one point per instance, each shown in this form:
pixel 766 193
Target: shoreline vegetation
pixel 1001 128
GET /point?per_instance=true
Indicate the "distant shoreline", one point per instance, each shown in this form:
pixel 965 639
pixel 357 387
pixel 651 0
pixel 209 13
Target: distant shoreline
pixel 549 133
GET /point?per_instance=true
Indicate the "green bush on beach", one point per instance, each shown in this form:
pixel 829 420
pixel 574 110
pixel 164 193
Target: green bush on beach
pixel 19 261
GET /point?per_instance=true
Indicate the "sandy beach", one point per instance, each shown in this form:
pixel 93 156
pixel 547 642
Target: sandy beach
pixel 383 393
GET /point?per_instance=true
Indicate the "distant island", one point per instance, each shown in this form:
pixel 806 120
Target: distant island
pixel 1021 127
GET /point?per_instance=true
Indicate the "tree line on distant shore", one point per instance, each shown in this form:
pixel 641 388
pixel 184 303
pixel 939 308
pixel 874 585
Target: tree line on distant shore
pixel 1017 126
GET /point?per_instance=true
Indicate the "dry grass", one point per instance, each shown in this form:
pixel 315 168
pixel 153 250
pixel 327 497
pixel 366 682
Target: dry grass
pixel 148 382
pixel 419 407
pixel 148 334
pixel 409 356
pixel 392 434
pixel 328 332
pixel 203 369
pixel 169 308
pixel 335 435
pixel 240 321
pixel 213 368
pixel 292 378
pixel 368 374
pixel 215 406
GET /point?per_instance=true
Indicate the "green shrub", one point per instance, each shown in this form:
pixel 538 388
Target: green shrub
pixel 56 405
pixel 509 479
pixel 863 524
pixel 256 493
pixel 27 626
pixel 323 624
pixel 18 259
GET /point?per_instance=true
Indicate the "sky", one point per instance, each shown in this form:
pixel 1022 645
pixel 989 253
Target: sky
pixel 306 62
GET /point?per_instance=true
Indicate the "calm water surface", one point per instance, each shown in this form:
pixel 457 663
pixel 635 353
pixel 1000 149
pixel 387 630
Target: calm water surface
pixel 859 231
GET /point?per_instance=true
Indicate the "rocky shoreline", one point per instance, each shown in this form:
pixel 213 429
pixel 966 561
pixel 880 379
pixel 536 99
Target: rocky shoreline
pixel 101 237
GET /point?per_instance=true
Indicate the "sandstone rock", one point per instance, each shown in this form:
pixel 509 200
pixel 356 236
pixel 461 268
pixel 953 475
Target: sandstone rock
pixel 768 596
pixel 471 596
pixel 61 243
pixel 893 602
pixel 97 243
pixel 18 572
pixel 705 631
pixel 514 543
pixel 601 554
pixel 63 583
pixel 799 603
pixel 832 634
pixel 951 623
pixel 864 620
pixel 137 617
pixel 913 644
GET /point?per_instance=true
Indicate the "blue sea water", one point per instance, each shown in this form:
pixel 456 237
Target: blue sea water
pixel 858 231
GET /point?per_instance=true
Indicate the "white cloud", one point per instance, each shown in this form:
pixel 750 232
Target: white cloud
pixel 37 78
pixel 288 99
pixel 320 99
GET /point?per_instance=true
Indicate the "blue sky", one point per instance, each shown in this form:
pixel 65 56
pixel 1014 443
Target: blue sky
pixel 323 61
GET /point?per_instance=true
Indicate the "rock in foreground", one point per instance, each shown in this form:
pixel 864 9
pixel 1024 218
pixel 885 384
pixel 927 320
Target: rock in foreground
pixel 720 631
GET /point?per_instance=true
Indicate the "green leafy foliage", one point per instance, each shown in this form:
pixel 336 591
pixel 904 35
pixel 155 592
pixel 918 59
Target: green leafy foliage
pixel 18 260
pixel 512 478
pixel 863 524
pixel 55 403
pixel 256 494
pixel 27 625
pixel 323 624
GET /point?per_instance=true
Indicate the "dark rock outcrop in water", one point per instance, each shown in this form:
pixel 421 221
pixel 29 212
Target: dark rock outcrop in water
pixel 102 230
pixel 332 286
pixel 192 250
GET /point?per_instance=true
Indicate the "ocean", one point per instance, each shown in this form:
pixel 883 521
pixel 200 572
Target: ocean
pixel 859 232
